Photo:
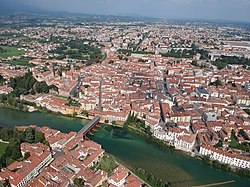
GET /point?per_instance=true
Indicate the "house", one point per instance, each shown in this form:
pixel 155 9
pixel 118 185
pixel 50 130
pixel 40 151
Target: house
pixel 118 177
pixel 5 89
pixel 185 142
pixel 202 92
pixel 209 116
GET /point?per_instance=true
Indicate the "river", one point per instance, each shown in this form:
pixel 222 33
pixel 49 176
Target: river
pixel 133 151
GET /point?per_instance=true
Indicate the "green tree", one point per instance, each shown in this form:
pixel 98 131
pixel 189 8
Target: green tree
pixel 6 134
pixel 14 148
pixel 42 87
pixel 39 137
pixel 85 113
pixel 26 155
pixel 2 80
pixel 29 135
pixel 79 182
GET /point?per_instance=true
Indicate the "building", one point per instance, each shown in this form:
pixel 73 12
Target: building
pixel 118 177
pixel 185 142
pixel 202 92
pixel 21 173
pixel 231 159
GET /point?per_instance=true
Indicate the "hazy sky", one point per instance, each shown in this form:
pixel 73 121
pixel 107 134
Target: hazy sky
pixel 198 9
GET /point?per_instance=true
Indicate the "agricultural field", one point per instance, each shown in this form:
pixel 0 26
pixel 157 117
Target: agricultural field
pixel 6 51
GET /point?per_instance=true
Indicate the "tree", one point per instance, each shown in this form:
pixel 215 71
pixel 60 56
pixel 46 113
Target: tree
pixel 79 182
pixel 148 130
pixel 6 182
pixel 42 87
pixel 85 113
pixel 19 134
pixel 14 149
pixel 6 134
pixel 2 80
pixel 107 164
pixel 217 83
pixel 26 155
pixel 29 135
pixel 39 137
pixel 46 143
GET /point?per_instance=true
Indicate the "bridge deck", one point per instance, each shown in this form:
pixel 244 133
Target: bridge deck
pixel 91 124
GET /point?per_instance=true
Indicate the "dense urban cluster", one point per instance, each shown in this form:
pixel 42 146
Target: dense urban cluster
pixel 64 160
pixel 187 84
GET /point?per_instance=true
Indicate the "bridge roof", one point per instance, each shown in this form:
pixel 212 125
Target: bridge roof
pixel 89 125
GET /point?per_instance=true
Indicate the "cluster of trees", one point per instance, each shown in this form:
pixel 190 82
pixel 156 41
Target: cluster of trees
pixel 234 143
pixel 151 179
pixel 77 50
pixel 133 121
pixel 187 53
pixel 244 172
pixel 247 111
pixel 215 163
pixel 225 167
pixel 225 60
pixel 85 113
pixel 73 102
pixel 22 85
pixel 107 164
pixel 11 100
pixel 194 63
pixel 216 83
pixel 28 84
pixel 15 138
pixel 180 53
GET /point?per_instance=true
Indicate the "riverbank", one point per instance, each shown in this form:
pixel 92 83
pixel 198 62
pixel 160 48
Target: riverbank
pixel 149 138
pixel 133 150
pixel 165 145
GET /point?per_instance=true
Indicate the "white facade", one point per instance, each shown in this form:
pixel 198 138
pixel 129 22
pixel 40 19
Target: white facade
pixel 185 145
pixel 225 158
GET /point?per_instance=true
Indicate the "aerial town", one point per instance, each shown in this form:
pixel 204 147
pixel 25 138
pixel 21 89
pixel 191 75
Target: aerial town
pixel 187 84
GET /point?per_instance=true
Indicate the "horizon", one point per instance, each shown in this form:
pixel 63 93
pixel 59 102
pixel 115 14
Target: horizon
pixel 212 10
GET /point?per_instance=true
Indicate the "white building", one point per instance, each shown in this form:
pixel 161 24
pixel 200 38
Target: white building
pixel 185 142
pixel 225 157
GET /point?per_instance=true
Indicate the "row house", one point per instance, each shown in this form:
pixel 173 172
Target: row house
pixel 225 157
pixel 184 117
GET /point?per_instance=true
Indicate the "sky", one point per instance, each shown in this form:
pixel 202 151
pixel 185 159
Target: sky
pixel 235 10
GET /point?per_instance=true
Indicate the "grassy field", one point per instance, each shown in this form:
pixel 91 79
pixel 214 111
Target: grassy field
pixel 6 51
pixel 2 148
pixel 21 62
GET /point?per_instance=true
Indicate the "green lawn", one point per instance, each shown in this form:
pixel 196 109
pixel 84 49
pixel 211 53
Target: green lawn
pixel 3 146
pixel 6 51
pixel 21 62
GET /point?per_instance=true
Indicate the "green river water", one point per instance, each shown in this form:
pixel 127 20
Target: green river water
pixel 133 151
